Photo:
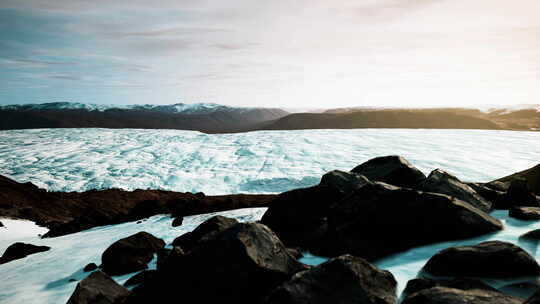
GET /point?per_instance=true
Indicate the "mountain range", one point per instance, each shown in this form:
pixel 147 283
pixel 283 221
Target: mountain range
pixel 216 118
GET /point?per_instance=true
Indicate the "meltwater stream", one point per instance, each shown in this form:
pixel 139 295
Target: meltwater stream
pixel 271 162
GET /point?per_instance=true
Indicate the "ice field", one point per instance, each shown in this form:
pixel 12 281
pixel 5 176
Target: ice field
pixel 255 162
pixel 275 161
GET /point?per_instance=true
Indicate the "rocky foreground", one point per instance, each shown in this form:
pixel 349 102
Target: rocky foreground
pixel 379 208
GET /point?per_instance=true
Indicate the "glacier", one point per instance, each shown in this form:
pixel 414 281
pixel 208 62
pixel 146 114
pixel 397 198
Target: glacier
pixel 253 162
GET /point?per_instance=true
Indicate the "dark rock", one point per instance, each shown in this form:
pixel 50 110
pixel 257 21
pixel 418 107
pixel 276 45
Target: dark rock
pixel 533 235
pixel 442 182
pixel 532 175
pixel 178 221
pixel 534 299
pixel 498 186
pixel 419 284
pixel 295 252
pixel 488 259
pixel 496 197
pixel 20 250
pixel 139 222
pixel 394 170
pixel 521 289
pixel 141 277
pixel 162 255
pixel 200 195
pixel 444 295
pixel 1 225
pixel 240 265
pixel 212 225
pixel 345 279
pixel 90 267
pixel 518 194
pixel 299 216
pixel 72 280
pixel 98 288
pixel 130 254
pixel 343 181
pixel 379 219
pixel 525 213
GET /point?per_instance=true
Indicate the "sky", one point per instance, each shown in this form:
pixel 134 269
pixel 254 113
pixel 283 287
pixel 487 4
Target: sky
pixel 279 53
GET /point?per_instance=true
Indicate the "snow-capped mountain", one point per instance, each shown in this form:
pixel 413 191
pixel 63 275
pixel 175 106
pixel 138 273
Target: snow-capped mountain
pixel 205 117
pixel 179 108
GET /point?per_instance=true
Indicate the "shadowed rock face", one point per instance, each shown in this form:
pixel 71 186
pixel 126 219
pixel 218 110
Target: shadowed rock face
pixel 419 284
pixel 442 182
pixel 380 219
pixel 130 254
pixel 532 235
pixel 444 295
pixel 238 265
pixel 345 182
pixel 98 288
pixel 394 170
pixel 534 299
pixel 345 279
pixel 532 175
pixel 21 250
pixel 213 225
pixel 488 259
pixel 525 213
pixel 519 194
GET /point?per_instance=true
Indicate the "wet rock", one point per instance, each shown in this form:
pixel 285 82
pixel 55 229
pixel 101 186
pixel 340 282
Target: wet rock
pixel 240 265
pixel 295 252
pixel 525 213
pixel 521 289
pixel 444 295
pixel 518 194
pixel 380 219
pixel 214 225
pixel 343 181
pixel 130 254
pixel 299 217
pixel 534 299
pixel 496 197
pixel 98 288
pixel 345 279
pixel 488 259
pixel 72 280
pixel 20 250
pixel 419 284
pixel 178 221
pixel 90 267
pixel 442 182
pixel 533 235
pixel 532 175
pixel 141 277
pixel 1 225
pixel 394 170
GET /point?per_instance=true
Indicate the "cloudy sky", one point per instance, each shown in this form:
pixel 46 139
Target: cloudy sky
pixel 294 53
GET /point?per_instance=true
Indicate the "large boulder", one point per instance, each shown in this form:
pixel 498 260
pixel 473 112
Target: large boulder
pixel 443 182
pixel 532 175
pixel 98 288
pixel 496 197
pixel 345 279
pixel 532 235
pixel 238 265
pixel 20 250
pixel 525 213
pixel 212 225
pixel 299 216
pixel 419 284
pixel 488 259
pixel 130 254
pixel 343 181
pixel 380 219
pixel 518 194
pixel 445 295
pixel 141 277
pixel 394 170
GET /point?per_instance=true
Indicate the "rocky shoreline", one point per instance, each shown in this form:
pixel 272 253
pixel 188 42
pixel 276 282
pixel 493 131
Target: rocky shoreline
pixel 382 207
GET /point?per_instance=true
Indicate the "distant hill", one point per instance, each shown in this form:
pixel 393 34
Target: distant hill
pixel 210 118
pixel 215 118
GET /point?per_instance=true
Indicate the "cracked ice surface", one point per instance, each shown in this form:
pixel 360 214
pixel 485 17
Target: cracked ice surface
pixel 254 162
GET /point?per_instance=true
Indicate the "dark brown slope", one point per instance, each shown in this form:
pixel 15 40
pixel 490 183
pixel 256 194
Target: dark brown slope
pixel 435 119
pixel 70 212
pixel 217 122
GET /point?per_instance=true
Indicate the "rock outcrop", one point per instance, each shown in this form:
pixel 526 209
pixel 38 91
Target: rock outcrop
pixel 130 254
pixel 20 250
pixel 345 279
pixel 394 170
pixel 444 295
pixel 419 284
pixel 488 259
pixel 98 288
pixel 525 213
pixel 442 182
pixel 379 219
pixel 212 225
